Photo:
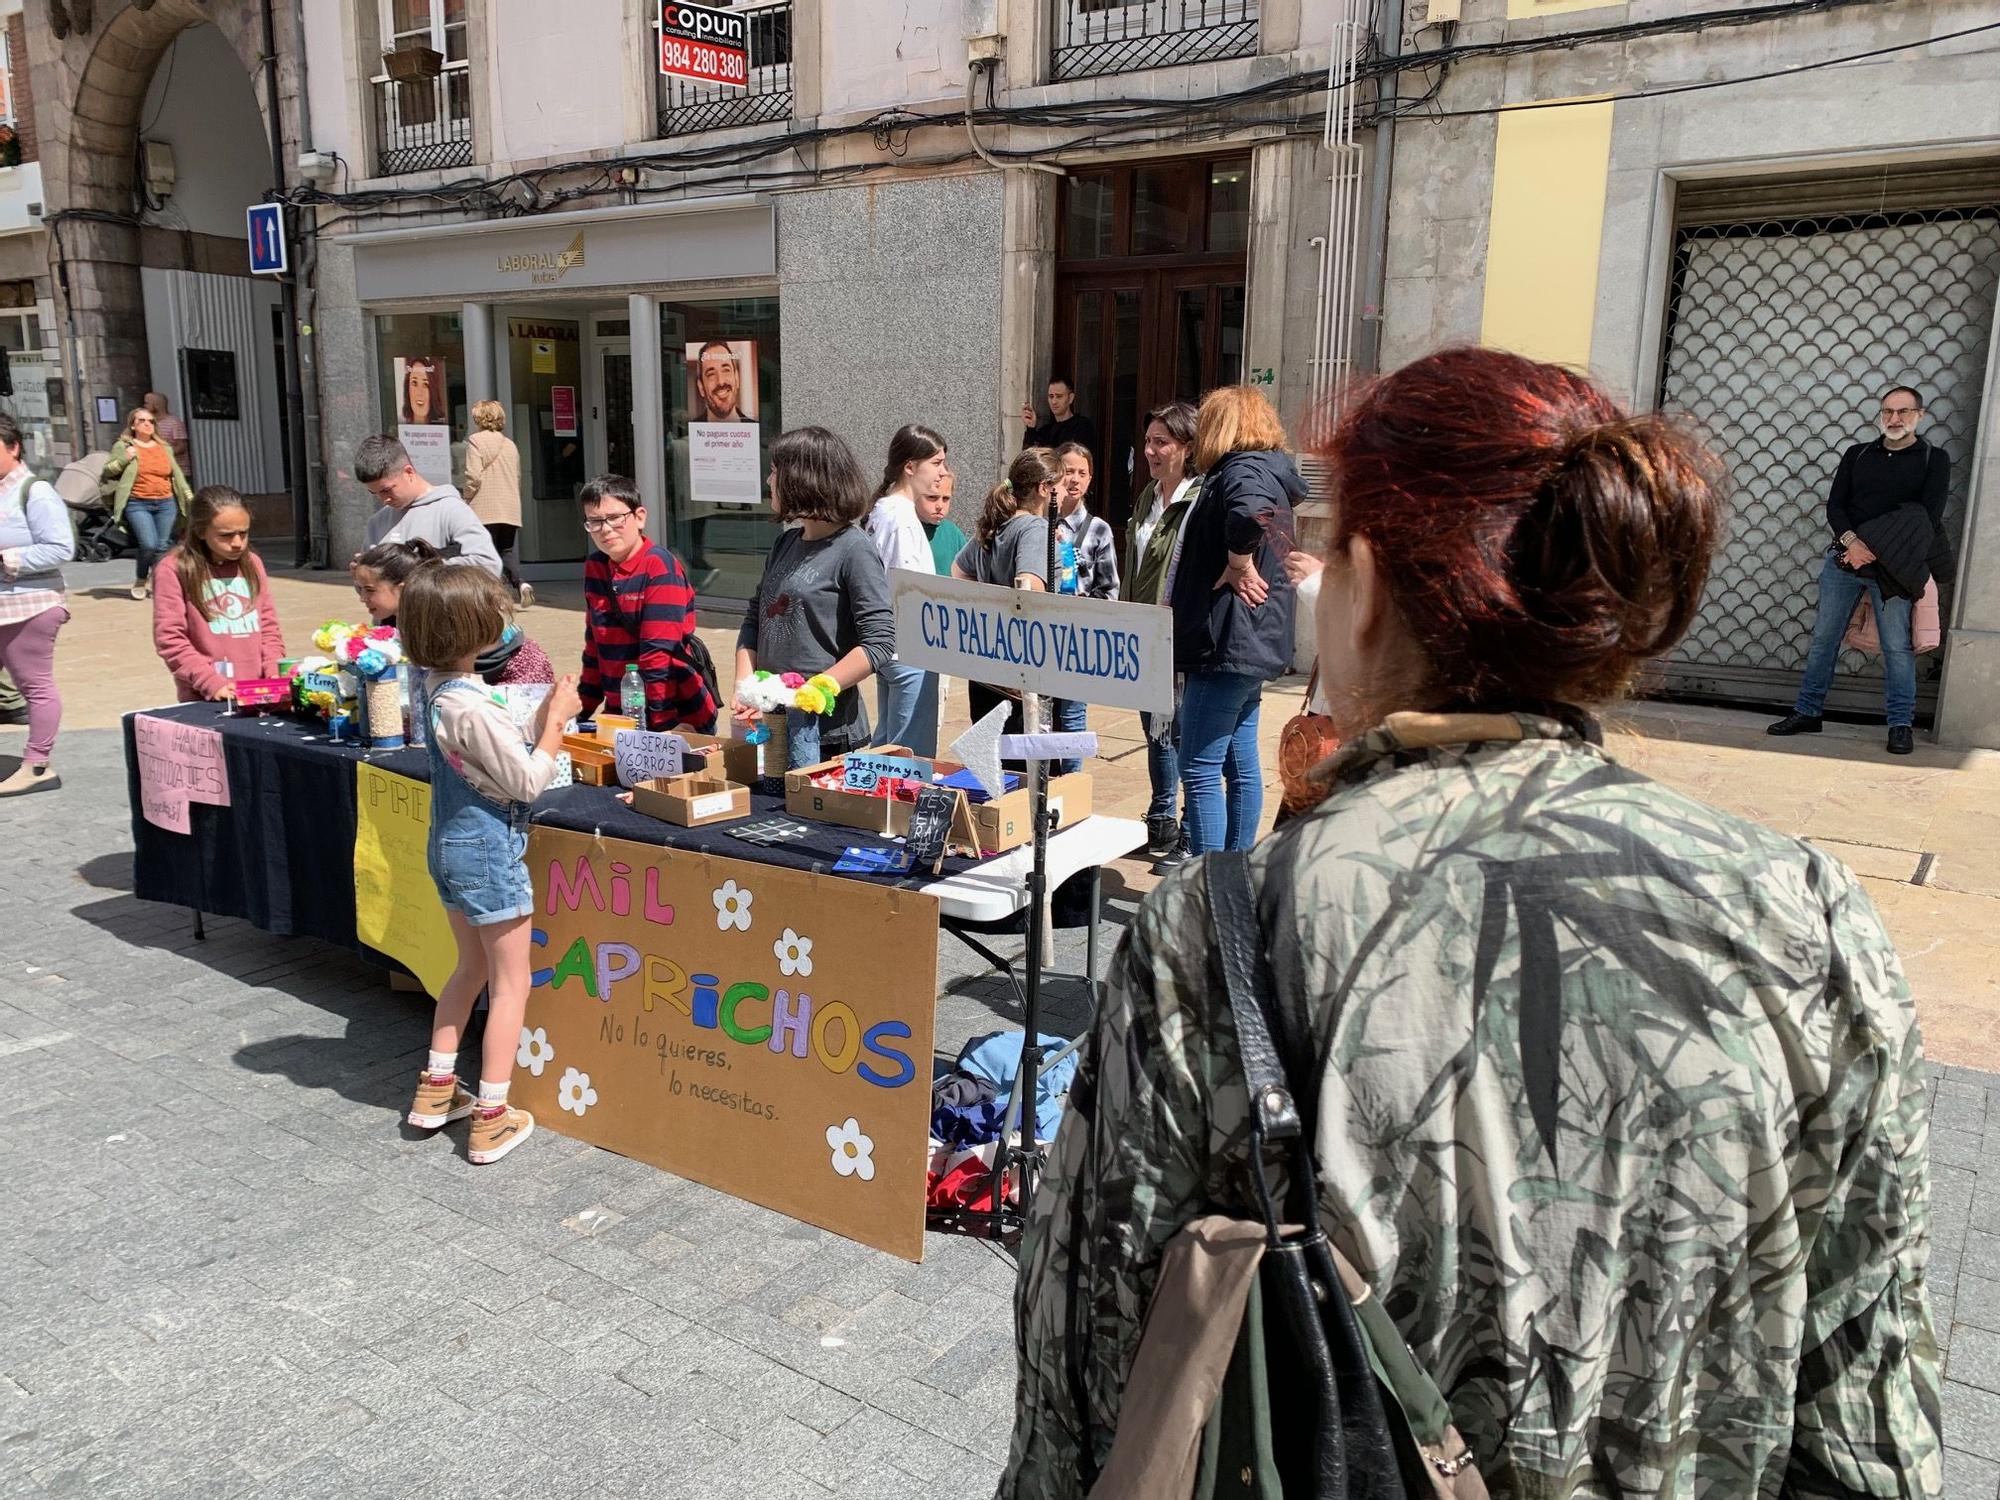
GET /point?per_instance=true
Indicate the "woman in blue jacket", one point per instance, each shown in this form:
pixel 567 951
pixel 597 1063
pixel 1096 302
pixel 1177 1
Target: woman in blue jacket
pixel 1232 610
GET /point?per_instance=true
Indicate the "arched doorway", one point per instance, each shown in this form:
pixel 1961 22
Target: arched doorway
pixel 158 142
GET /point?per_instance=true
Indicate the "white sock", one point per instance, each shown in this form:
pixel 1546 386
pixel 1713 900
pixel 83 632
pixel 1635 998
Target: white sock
pixel 493 1095
pixel 441 1063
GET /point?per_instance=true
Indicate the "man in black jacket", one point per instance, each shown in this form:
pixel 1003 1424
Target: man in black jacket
pixel 1888 488
pixel 1065 424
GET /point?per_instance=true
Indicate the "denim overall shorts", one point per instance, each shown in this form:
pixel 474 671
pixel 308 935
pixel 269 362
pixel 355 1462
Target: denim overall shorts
pixel 478 851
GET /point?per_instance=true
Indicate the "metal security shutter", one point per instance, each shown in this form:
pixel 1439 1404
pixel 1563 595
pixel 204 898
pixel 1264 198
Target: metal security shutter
pixel 1785 326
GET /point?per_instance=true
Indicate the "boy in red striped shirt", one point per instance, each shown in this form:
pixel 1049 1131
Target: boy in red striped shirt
pixel 638 606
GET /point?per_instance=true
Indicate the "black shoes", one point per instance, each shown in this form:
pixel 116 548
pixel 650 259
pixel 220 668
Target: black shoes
pixel 1902 739
pixel 1177 856
pixel 1795 724
pixel 1161 834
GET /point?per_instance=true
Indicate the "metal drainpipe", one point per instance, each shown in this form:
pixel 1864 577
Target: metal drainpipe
pixel 308 279
pixel 1381 176
pixel 295 406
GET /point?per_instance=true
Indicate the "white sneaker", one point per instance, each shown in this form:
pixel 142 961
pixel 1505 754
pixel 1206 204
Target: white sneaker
pixel 29 778
pixel 527 596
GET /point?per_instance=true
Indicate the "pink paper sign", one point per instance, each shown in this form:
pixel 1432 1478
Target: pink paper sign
pixel 178 764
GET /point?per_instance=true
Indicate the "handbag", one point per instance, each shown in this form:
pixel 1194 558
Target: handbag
pixel 1306 740
pixel 1321 1397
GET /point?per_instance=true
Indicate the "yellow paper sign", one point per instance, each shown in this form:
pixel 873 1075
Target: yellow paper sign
pixel 765 1031
pixel 543 357
pixel 396 907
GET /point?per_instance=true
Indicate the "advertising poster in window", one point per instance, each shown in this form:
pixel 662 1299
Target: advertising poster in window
pixel 725 457
pixel 423 415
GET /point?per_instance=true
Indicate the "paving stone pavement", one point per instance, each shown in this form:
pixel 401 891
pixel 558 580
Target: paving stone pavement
pixel 225 1270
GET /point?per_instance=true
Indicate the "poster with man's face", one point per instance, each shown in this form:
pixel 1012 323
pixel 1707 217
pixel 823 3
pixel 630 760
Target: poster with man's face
pixel 722 380
pixel 422 396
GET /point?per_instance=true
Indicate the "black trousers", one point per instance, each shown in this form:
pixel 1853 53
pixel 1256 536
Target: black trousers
pixel 503 543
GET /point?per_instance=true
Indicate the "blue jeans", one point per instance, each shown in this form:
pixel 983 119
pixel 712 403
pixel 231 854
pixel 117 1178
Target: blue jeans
pixel 1071 718
pixel 151 523
pixel 1163 764
pixel 1219 742
pixel 906 708
pixel 1839 592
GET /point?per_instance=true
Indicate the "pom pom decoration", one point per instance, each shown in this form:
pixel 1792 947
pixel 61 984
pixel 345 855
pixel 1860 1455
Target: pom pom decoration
pixel 792 680
pixel 764 691
pixel 818 696
pixel 371 664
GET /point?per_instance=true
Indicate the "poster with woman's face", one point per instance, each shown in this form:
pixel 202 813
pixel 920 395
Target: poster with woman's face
pixel 722 380
pixel 424 400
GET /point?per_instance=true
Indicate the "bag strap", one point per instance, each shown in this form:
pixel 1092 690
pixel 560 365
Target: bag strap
pixel 1274 1109
pixel 1312 686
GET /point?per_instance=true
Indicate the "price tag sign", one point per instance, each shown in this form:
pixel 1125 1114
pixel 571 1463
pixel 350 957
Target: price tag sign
pixel 862 772
pixel 646 755
pixel 930 826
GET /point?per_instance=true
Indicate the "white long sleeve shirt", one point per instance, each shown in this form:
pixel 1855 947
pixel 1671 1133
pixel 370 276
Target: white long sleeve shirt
pixel 899 536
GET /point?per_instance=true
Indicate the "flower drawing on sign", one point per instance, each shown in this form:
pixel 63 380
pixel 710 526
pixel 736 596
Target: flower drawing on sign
pixel 732 907
pixel 853 1152
pixel 794 953
pixel 574 1093
pixel 536 1053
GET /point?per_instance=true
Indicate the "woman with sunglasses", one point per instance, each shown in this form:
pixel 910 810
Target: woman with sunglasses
pixel 150 493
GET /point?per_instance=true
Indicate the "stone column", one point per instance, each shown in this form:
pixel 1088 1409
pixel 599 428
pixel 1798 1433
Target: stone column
pixel 476 321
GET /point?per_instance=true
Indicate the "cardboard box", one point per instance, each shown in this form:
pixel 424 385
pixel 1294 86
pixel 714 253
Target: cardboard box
pixel 734 758
pixel 1002 822
pixel 691 800
pixel 592 761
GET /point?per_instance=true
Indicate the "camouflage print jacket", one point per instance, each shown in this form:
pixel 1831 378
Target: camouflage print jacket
pixel 1622 1114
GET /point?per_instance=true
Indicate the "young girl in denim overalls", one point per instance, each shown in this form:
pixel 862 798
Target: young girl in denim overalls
pixel 483 778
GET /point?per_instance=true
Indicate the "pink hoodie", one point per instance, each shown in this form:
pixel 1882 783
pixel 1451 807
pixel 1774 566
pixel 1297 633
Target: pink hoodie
pixel 244 632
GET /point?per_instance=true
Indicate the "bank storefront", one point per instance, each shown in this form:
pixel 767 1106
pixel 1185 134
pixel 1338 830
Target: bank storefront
pixel 641 341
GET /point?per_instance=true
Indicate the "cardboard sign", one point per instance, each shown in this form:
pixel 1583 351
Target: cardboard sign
pixel 396 906
pixel 1086 650
pixel 862 770
pixel 179 764
pixel 646 755
pixel 736 1024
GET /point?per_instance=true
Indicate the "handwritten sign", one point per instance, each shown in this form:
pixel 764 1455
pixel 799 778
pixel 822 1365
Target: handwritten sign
pixel 647 755
pixel 179 764
pixel 396 906
pixel 1086 650
pixel 937 808
pixel 735 1024
pixel 862 771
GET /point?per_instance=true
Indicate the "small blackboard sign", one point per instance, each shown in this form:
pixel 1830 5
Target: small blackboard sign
pixel 930 826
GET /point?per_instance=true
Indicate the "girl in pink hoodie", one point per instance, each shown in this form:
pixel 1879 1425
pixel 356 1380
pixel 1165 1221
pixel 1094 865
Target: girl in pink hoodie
pixel 212 602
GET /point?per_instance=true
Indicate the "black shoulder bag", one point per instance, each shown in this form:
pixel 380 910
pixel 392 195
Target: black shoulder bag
pixel 1340 1409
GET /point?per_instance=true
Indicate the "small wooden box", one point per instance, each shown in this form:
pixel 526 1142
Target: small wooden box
pixel 593 761
pixel 691 800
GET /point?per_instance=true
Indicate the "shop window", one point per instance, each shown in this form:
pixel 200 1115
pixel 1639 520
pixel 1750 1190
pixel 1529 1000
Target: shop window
pixel 723 386
pixel 420 369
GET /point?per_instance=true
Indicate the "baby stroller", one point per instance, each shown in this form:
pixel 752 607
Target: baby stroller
pixel 99 538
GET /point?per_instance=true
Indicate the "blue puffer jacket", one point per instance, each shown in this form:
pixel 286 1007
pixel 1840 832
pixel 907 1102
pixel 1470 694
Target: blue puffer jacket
pixel 1245 506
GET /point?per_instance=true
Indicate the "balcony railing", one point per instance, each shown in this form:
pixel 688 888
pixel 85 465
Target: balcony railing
pixel 1094 37
pixel 423 124
pixel 687 107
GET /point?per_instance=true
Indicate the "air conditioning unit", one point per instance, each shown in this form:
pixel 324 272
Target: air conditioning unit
pixel 156 166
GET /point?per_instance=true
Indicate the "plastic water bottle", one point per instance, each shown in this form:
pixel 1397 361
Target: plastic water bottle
pixel 632 694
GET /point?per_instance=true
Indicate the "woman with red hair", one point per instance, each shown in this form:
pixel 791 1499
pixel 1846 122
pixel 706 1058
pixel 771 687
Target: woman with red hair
pixel 1616 1101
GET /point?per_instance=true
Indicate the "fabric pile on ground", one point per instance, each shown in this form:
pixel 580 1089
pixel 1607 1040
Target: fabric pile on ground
pixel 968 1105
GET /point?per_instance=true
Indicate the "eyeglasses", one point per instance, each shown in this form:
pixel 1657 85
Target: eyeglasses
pixel 601 525
pixel 1901 411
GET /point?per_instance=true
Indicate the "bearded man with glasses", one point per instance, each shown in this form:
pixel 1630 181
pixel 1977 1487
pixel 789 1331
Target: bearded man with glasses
pixel 639 609
pixel 1886 513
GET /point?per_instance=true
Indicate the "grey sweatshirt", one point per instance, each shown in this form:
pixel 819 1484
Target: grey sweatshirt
pixel 441 517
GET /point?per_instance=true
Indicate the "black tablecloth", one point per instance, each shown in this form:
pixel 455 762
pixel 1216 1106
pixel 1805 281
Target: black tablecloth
pixel 281 855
